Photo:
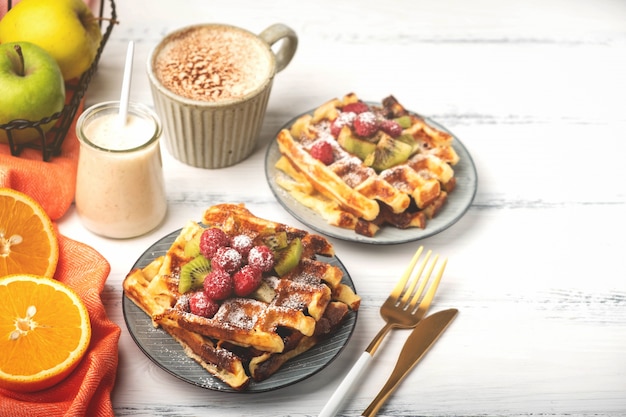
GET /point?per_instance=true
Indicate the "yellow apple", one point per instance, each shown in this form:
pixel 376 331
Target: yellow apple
pixel 31 88
pixel 67 29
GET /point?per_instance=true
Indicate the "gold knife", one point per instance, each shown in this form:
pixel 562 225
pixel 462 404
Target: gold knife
pixel 419 342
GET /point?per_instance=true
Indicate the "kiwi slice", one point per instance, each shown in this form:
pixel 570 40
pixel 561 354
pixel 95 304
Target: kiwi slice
pixel 404 121
pixel 354 145
pixel 276 241
pixel 192 246
pixel 263 293
pixel 192 274
pixel 389 152
pixel 409 140
pixel 288 258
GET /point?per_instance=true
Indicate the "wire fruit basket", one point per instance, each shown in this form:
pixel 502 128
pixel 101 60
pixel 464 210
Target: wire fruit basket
pixel 50 143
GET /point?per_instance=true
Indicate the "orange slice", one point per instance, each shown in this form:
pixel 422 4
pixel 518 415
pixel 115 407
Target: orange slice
pixel 44 332
pixel 28 241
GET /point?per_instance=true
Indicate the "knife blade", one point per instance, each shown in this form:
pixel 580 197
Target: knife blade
pixel 421 339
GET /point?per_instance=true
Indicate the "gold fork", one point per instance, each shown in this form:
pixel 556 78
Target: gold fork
pixel 400 310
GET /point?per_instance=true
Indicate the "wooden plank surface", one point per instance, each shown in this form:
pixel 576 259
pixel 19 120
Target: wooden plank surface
pixel 536 90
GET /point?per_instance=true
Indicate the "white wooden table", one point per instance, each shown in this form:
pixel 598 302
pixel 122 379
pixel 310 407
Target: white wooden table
pixel 537 93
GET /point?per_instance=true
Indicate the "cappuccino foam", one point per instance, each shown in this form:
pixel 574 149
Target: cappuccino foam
pixel 213 63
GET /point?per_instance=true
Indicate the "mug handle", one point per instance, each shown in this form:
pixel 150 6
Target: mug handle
pixel 287 49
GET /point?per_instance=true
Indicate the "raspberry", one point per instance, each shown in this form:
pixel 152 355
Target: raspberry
pixel 344 119
pixel 246 280
pixel 226 258
pixel 323 151
pixel 201 305
pixel 218 285
pixel 365 124
pixel 242 244
pixel 212 239
pixel 262 257
pixel 391 127
pixel 357 107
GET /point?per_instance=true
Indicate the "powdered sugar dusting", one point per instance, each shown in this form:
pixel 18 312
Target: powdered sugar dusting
pixel 240 319
pixel 367 117
pixel 345 118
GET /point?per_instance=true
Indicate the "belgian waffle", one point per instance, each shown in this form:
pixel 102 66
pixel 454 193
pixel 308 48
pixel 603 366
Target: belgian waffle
pixel 247 338
pixel 351 194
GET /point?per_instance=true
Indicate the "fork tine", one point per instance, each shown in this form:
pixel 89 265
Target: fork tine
pixel 415 280
pixel 419 292
pixel 397 290
pixel 430 294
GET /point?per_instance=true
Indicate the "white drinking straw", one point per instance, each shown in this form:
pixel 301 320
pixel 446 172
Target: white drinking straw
pixel 125 97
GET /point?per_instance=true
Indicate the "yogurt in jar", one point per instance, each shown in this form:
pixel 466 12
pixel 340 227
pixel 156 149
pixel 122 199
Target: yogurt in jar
pixel 120 190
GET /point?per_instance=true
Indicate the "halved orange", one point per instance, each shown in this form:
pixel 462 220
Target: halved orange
pixel 28 241
pixel 44 332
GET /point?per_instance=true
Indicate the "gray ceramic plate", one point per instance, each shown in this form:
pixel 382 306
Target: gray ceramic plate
pixel 458 202
pixel 165 352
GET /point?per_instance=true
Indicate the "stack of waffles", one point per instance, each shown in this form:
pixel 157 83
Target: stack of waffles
pixel 362 166
pixel 248 337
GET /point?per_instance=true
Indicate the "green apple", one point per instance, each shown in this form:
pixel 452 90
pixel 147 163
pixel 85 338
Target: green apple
pixel 67 29
pixel 31 88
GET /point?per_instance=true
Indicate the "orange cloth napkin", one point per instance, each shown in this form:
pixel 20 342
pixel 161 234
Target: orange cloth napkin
pixel 87 390
pixel 52 184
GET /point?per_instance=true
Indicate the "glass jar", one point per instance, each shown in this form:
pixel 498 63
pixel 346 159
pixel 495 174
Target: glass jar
pixel 120 191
